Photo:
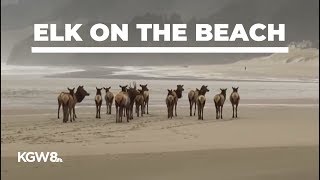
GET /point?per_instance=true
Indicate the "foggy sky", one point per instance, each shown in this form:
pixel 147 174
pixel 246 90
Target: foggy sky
pixel 22 13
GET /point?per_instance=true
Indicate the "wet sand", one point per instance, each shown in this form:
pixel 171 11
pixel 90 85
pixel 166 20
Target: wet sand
pixel 282 163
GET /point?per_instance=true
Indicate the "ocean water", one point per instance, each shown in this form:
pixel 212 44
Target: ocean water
pixel 182 72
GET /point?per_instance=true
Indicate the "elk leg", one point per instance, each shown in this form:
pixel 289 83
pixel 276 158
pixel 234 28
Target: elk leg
pixel 120 114
pixel 73 111
pixel 195 108
pixel 236 110
pixel 175 108
pixel 128 115
pixel 232 110
pixel 137 110
pixel 217 115
pixel 148 106
pixel 70 114
pixel 199 112
pixel 202 113
pixel 59 105
pixel 117 114
pixel 221 112
pixel 190 103
pixel 108 109
pixel 171 111
pixel 65 113
pixel 98 111
pixel 141 109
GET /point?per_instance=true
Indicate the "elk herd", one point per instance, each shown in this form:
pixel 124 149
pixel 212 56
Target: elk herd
pixel 130 96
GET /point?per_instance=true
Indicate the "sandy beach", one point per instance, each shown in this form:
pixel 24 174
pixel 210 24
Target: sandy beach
pixel 272 138
pixel 278 142
pixel 275 136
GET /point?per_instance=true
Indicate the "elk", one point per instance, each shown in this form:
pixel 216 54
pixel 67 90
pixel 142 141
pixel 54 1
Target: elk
pixel 64 100
pixel 170 103
pixel 71 102
pixel 122 102
pixel 79 95
pixel 139 100
pixel 109 99
pixel 177 94
pixel 201 101
pixel 234 99
pixel 146 97
pixel 132 93
pixel 219 100
pixel 98 101
pixel 193 96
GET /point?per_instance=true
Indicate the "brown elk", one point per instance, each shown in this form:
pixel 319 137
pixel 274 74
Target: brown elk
pixel 132 92
pixel 64 100
pixel 71 103
pixel 193 96
pixel 79 95
pixel 146 97
pixel 139 100
pixel 219 100
pixel 201 101
pixel 170 103
pixel 122 102
pixel 234 99
pixel 98 101
pixel 109 99
pixel 177 94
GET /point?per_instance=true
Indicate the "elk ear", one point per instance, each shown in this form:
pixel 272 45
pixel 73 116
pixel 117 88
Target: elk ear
pixel 73 89
pixel 120 86
pixel 109 87
pixel 220 89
